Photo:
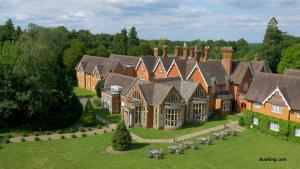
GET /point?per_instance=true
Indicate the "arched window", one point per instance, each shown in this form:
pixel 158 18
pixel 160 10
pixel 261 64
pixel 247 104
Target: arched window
pixel 172 97
pixel 136 95
pixel 199 93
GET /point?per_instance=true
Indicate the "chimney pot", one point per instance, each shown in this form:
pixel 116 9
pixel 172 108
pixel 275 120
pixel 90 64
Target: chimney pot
pixel 206 53
pixel 184 51
pixel 155 52
pixel 176 51
pixel 227 59
pixel 191 52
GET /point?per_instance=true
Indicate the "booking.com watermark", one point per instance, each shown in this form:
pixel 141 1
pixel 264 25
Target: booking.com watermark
pixel 273 159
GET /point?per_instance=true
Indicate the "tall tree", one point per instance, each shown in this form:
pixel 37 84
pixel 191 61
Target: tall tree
pixel 272 44
pixel 7 31
pixel 133 39
pixel 120 42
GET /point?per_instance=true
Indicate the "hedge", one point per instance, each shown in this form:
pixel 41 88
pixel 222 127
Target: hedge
pixel 286 130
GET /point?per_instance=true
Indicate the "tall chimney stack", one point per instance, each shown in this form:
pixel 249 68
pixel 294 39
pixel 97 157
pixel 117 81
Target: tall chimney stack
pixel 165 51
pixel 206 53
pixel 155 52
pixel 184 51
pixel 176 51
pixel 191 52
pixel 197 54
pixel 227 59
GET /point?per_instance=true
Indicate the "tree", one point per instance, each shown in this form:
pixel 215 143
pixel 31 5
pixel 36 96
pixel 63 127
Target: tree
pixel 120 43
pixel 121 139
pixel 290 58
pixel 89 117
pixel 99 86
pixel 7 31
pixel 72 55
pixel 272 44
pixel 133 39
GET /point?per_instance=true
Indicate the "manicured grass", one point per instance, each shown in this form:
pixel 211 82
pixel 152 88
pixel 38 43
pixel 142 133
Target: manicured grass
pixel 242 151
pixel 80 92
pixel 188 128
pixel 114 118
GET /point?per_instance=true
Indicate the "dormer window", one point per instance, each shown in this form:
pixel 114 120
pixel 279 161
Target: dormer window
pixel 136 95
pixel 172 97
pixel 199 93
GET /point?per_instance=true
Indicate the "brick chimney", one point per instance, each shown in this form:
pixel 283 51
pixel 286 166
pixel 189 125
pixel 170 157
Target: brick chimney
pixel 227 59
pixel 206 53
pixel 191 54
pixel 176 51
pixel 197 54
pixel 184 51
pixel 165 51
pixel 155 52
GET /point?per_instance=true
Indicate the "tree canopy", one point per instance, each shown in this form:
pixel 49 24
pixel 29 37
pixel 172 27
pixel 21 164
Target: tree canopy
pixel 290 58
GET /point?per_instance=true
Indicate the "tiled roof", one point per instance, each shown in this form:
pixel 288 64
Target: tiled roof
pixel 213 68
pixel 121 80
pixel 125 60
pixel 292 72
pixel 265 83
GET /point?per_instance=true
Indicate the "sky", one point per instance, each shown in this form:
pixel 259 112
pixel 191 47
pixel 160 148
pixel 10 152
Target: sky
pixel 155 19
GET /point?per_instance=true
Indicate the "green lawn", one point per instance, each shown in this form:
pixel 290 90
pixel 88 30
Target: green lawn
pixel 242 151
pixel 189 128
pixel 114 118
pixel 80 92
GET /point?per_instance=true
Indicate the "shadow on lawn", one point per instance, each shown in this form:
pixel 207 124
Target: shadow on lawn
pixel 136 146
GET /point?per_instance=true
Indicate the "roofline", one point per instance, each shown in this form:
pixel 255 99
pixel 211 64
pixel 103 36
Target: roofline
pixel 274 91
pixel 197 66
pixel 157 63
pixel 174 62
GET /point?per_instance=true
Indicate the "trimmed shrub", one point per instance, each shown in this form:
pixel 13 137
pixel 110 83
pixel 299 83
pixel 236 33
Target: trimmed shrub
pixel 104 131
pixel 23 139
pixel 36 133
pixel 98 87
pixel 36 139
pixel 48 133
pixel 121 139
pixel 90 129
pixel 241 121
pixel 95 133
pixel 97 102
pixel 9 136
pixel 7 141
pixel 60 132
pixel 73 136
pixel 83 135
pixel 99 126
pixel 89 116
pixel 24 135
pixel 81 129
pixel 62 137
pixel 49 138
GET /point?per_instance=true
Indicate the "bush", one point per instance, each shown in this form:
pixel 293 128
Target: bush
pixel 81 129
pixel 121 139
pixel 62 137
pixel 48 133
pixel 9 136
pixel 7 141
pixel 24 135
pixel 49 138
pixel 83 135
pixel 73 130
pixel 95 133
pixel 241 121
pixel 36 133
pixel 97 102
pixel 73 136
pixel 104 131
pixel 60 132
pixel 23 139
pixel 36 139
pixel 89 116
pixel 98 87
pixel 99 126
pixel 90 129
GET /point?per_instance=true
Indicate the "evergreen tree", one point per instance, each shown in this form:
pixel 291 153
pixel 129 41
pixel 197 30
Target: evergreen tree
pixel 121 139
pixel 272 44
pixel 133 39
pixel 98 87
pixel 120 43
pixel 89 117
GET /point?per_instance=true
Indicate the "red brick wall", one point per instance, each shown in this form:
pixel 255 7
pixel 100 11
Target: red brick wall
pixel 80 79
pixel 174 72
pixel 141 71
pixel 157 73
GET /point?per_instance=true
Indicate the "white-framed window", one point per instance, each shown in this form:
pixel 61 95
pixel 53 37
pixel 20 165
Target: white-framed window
pixel 136 95
pixel 226 105
pixel 257 105
pixel 199 93
pixel 298 114
pixel 161 68
pixel 172 117
pixel 255 120
pixel 245 87
pixel 106 101
pixel 297 132
pixel 276 108
pixel 274 126
pixel 142 77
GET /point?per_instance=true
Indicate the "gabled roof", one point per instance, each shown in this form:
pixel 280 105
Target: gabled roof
pixel 292 72
pixel 266 83
pixel 184 66
pixel 149 62
pixel 185 88
pixel 166 62
pixel 209 69
pixel 121 80
pixel 283 93
pixel 239 71
pixel 125 60
pixel 260 66
pixel 104 65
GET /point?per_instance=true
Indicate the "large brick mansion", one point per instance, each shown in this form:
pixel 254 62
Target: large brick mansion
pixel 164 92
